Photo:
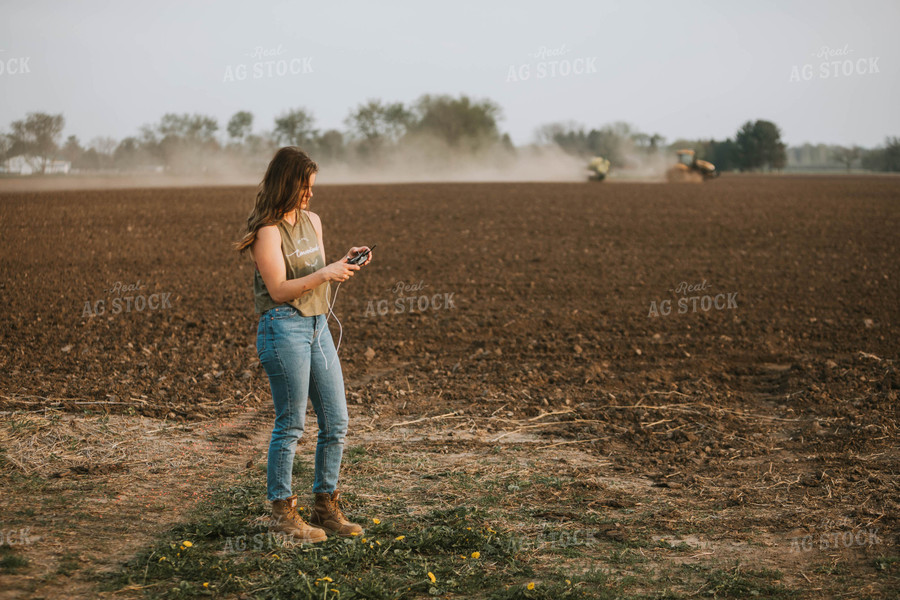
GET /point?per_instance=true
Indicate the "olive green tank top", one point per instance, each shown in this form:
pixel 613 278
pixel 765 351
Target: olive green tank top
pixel 302 256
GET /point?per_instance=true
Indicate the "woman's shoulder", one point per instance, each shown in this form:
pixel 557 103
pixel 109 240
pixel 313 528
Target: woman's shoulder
pixel 268 231
pixel 313 217
pixel 315 220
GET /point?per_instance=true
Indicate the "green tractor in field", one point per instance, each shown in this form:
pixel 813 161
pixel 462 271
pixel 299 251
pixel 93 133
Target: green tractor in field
pixel 598 168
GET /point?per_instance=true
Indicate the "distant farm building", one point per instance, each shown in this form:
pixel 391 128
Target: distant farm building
pixel 28 165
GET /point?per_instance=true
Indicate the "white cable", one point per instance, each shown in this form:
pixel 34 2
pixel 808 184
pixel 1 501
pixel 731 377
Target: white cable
pixel 341 333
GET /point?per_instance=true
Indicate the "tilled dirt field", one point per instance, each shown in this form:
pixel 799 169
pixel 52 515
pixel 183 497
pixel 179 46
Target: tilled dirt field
pixel 731 347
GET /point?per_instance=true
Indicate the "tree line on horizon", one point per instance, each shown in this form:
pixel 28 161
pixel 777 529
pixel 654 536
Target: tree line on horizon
pixel 756 146
pixel 433 124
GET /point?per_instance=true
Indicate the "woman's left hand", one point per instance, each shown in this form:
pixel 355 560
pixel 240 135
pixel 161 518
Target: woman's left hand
pixel 354 251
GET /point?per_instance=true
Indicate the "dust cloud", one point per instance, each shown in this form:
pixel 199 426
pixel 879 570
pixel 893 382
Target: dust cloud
pixel 420 161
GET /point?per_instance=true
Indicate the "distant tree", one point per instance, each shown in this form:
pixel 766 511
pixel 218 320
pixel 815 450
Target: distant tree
pixel 148 137
pixel 459 122
pixel 377 125
pixel 131 153
pixel 846 156
pixel 89 160
pixel 295 128
pixel 759 145
pixel 892 153
pixel 240 125
pixel 616 142
pixel 725 154
pixel 264 144
pixel 36 136
pixel 609 142
pixel 330 145
pixel 546 133
pixel 6 144
pixel 72 150
pixel 104 148
pixel 193 128
pixel 569 136
pixel 883 158
pixel 749 152
pixel 184 142
pixel 103 145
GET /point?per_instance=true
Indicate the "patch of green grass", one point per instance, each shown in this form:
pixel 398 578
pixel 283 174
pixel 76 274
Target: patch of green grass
pixel 15 479
pixel 69 563
pixel 594 583
pixel 624 556
pixel 740 582
pixel 355 454
pixel 834 568
pixel 23 425
pixel 886 563
pixel 10 560
pixel 231 551
pixel 680 546
pixel 553 482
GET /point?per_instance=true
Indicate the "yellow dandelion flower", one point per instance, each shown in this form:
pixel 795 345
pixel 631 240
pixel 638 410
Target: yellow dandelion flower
pixel 183 547
pixel 162 558
pixel 469 528
pixel 376 520
pixel 328 579
pixel 476 554
pixel 354 533
pixel 432 577
pixel 377 542
pixel 568 582
pixel 530 586
pixel 364 540
pixel 491 530
pixel 462 556
pixel 206 584
pixel 399 537
pixel 187 543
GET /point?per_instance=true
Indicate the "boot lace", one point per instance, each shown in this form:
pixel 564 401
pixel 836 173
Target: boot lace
pixel 291 515
pixel 295 517
pixel 336 510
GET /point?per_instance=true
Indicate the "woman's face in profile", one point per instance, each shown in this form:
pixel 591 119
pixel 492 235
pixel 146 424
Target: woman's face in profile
pixel 306 193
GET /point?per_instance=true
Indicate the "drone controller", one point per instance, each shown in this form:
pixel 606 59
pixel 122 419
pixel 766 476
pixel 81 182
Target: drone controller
pixel 361 257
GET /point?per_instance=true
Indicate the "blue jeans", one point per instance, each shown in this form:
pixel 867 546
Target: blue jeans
pixel 288 347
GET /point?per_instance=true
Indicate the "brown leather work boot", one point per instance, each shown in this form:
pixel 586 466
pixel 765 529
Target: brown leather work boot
pixel 286 520
pixel 327 514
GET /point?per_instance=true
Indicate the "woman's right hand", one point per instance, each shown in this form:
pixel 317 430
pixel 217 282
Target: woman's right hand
pixel 340 270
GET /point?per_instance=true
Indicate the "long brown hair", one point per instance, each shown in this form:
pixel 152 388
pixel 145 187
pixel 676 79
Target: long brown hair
pixel 279 192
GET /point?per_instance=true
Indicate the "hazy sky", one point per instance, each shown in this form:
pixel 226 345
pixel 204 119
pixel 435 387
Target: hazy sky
pixel 681 69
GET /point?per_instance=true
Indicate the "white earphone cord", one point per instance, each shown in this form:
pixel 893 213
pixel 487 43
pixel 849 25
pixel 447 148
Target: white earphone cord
pixel 340 334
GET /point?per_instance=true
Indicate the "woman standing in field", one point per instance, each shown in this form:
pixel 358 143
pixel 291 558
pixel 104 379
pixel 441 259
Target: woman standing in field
pixel 292 291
